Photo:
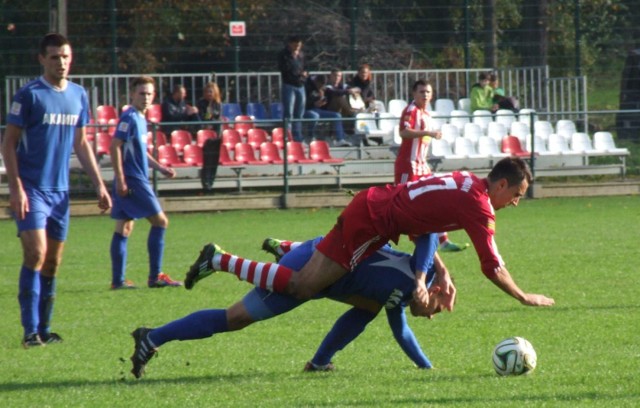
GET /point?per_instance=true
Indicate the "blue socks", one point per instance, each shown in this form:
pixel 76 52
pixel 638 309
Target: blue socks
pixel 45 307
pixel 347 327
pixel 28 298
pixel 155 246
pixel 198 325
pixel 118 259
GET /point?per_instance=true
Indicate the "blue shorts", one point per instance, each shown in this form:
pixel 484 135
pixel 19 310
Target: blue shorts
pixel 48 210
pixel 140 203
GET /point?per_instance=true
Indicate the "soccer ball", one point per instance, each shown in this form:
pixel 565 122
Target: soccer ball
pixel 514 356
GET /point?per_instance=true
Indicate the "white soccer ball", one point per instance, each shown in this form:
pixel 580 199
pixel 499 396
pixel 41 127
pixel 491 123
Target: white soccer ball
pixel 514 356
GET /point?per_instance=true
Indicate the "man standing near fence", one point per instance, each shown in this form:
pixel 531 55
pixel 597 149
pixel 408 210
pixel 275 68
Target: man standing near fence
pixel 46 119
pixel 291 66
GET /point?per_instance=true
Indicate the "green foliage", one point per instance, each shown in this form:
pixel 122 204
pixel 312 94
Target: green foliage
pixel 579 251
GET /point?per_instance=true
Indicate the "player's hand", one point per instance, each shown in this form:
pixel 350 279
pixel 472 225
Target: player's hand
pixel 104 199
pixel 168 172
pixel 19 204
pixel 532 299
pixel 421 294
pixel 121 189
pixel 448 290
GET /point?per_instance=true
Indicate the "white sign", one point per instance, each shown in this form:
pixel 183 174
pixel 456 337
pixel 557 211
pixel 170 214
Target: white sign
pixel 237 29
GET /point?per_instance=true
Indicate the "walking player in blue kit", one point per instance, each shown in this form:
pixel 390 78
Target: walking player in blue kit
pixel 133 197
pixel 47 118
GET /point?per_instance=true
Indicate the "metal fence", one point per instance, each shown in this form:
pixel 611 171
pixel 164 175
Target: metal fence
pixel 531 85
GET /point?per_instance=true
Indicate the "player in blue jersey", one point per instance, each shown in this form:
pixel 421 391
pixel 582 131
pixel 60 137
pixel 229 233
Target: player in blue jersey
pixel 47 118
pixel 386 279
pixel 133 196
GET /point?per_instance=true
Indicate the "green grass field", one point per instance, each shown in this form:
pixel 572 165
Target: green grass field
pixel 582 252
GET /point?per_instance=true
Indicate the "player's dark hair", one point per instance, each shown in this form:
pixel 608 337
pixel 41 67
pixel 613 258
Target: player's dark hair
pixel 142 80
pixel 419 82
pixel 513 169
pixel 52 40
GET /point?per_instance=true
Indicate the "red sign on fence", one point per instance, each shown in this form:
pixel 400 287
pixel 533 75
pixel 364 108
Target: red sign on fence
pixel 237 29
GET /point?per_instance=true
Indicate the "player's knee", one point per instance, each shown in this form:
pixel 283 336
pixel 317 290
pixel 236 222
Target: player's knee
pixel 299 290
pixel 33 257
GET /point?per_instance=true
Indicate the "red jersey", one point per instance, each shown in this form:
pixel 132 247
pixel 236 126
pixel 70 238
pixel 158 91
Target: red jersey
pixel 438 203
pixel 412 155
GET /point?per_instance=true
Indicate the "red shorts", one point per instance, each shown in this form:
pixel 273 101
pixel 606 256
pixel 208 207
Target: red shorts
pixel 353 238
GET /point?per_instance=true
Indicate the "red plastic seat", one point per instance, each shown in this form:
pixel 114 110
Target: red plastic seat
pixel 111 126
pixel 243 124
pixel 168 156
pixel 277 137
pixel 511 145
pixel 205 134
pixel 295 154
pixel 225 157
pixel 154 113
pixel 193 155
pixel 245 154
pixel 256 137
pixel 106 112
pixel 103 144
pixel 319 150
pixel 161 138
pixel 230 138
pixel 179 139
pixel 269 153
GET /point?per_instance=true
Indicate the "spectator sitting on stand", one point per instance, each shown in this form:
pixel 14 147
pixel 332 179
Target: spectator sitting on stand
pixel 362 81
pixel 316 109
pixel 482 95
pixel 176 109
pixel 210 105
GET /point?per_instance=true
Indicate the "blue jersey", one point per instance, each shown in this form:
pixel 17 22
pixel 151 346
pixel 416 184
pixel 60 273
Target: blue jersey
pixel 132 130
pixel 49 118
pixel 387 276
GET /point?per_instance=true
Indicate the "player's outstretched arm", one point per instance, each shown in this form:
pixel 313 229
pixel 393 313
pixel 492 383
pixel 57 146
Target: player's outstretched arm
pixel 88 161
pixel 503 280
pixel 406 339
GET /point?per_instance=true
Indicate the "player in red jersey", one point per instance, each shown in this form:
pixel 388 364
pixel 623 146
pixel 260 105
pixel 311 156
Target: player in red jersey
pixel 416 131
pixel 453 201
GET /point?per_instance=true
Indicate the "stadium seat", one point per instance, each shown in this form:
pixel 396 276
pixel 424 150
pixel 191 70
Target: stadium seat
pixel 161 138
pixel 257 136
pixel 154 113
pixel 366 126
pixel 192 155
pixel 230 138
pixel 295 154
pixel 542 128
pixel 319 150
pixel 539 145
pixel 465 104
pixel 482 118
pixel 472 132
pixel 103 144
pixel 511 145
pixel 557 144
pixel 487 146
pixel 496 131
pixel 269 153
pixel 581 143
pixel 450 132
pixel 106 112
pixel 521 131
pixel 258 112
pixel 111 126
pixel 387 123
pixel 464 147
pixel 506 117
pixel 243 124
pixel 459 118
pixel 245 154
pixel 603 141
pixel 231 110
pixel 203 135
pixel 91 130
pixel 168 156
pixel 396 106
pixel 277 137
pixel 378 106
pixel 179 139
pixel 277 111
pixel 440 148
pixel 445 106
pixel 225 157
pixel 565 128
pixel 524 115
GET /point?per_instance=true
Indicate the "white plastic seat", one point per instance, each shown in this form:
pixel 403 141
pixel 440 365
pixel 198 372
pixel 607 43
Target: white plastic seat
pixel 524 115
pixel 603 141
pixel 450 132
pixel 387 124
pixel 539 145
pixel 566 128
pixel 482 118
pixel 459 118
pixel 366 125
pixel 464 104
pixel 444 106
pixel 497 131
pixel 521 131
pixel 396 106
pixel 472 131
pixel 506 117
pixel 440 148
pixel 487 146
pixel 379 106
pixel 557 144
pixel 581 143
pixel 542 128
pixel 464 147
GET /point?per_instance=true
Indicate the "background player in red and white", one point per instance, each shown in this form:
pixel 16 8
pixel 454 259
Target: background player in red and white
pixel 416 131
pixel 447 202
